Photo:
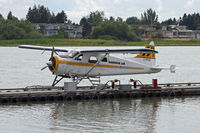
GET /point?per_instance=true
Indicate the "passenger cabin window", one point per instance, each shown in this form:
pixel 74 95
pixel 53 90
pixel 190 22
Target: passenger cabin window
pixel 92 59
pixel 104 59
pixel 114 62
pixel 80 57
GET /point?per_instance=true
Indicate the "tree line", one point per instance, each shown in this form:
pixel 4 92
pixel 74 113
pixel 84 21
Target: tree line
pixel 192 21
pixel 41 14
pixel 12 28
pixel 95 24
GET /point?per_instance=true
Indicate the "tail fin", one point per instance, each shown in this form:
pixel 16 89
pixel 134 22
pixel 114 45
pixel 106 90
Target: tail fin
pixel 148 55
pixel 147 58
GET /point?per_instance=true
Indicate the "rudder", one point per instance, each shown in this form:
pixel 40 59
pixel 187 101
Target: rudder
pixel 147 58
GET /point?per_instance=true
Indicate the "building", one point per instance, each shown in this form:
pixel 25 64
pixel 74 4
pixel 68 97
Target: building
pixel 170 31
pixel 147 31
pixel 196 34
pixel 73 31
pixel 176 31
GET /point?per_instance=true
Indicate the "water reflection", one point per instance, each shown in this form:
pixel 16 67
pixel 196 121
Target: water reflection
pixel 123 115
pixel 152 115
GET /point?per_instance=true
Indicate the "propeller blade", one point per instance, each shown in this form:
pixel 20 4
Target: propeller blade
pixel 52 53
pixel 55 52
pixel 49 63
pixel 43 52
pixel 44 68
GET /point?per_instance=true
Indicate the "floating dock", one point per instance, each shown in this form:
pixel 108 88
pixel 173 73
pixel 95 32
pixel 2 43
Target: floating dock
pixel 48 93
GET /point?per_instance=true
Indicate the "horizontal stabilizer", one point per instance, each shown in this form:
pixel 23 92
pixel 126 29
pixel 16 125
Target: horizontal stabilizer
pixel 172 68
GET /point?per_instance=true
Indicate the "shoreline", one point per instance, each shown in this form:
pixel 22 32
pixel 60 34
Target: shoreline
pixel 97 42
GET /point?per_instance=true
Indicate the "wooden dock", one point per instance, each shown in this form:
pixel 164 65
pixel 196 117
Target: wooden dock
pixel 47 93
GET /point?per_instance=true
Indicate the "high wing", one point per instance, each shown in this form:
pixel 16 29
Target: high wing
pixel 42 48
pixel 131 51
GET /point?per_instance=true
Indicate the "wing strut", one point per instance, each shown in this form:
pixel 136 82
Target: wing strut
pixel 95 65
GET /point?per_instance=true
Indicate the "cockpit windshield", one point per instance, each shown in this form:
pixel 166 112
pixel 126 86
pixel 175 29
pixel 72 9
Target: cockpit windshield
pixel 72 54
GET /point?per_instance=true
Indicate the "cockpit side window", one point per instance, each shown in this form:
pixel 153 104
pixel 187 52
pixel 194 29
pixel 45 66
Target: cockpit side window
pixel 92 59
pixel 79 58
pixel 72 54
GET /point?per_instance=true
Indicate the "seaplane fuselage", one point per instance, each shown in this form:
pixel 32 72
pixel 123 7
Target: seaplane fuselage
pixel 98 65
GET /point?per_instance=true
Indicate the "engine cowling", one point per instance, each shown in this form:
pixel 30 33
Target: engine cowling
pixel 53 63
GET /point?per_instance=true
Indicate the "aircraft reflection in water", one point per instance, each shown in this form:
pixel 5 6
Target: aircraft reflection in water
pixel 107 115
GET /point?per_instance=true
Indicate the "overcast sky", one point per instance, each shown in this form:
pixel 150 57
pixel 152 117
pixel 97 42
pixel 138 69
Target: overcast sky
pixel 76 9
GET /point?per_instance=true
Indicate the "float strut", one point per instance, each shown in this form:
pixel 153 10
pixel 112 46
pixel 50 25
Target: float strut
pixel 56 81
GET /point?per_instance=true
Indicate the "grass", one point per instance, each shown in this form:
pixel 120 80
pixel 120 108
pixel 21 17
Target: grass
pixel 96 42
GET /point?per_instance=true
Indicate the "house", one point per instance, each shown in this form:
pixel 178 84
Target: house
pixel 176 31
pixel 73 31
pixel 170 31
pixel 147 31
pixel 196 34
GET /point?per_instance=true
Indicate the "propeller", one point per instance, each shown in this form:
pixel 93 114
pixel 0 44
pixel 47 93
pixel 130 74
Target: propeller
pixel 44 68
pixel 50 62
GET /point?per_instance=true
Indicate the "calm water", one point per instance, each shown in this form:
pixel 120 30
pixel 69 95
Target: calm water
pixel 20 68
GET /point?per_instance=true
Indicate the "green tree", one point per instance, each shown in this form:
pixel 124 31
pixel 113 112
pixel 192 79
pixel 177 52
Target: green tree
pixel 61 17
pixel 119 19
pixel 92 20
pixel 87 28
pixel 41 14
pixel 112 18
pixel 52 18
pixel 1 17
pixel 15 29
pixel 62 33
pixel 95 18
pixel 170 22
pixel 11 17
pixel 192 21
pixel 149 17
pixel 42 28
pixel 114 29
pixel 38 14
pixel 12 32
pixel 44 14
pixel 133 20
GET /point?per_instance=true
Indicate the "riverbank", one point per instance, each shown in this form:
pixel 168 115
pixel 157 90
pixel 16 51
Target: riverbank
pixel 97 42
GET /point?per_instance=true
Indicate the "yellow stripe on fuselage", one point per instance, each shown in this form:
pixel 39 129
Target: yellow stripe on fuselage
pixel 88 64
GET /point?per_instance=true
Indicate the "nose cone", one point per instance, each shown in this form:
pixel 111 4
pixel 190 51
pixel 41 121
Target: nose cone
pixel 53 63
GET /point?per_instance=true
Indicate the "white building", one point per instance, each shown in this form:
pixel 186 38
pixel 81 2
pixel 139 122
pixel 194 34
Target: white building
pixel 52 29
pixel 176 31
